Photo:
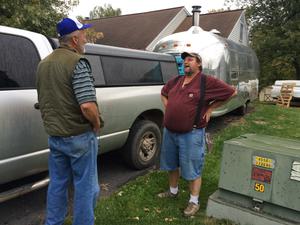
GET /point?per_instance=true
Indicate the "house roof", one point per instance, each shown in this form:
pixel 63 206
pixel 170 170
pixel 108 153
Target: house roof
pixel 135 31
pixel 138 30
pixel 221 21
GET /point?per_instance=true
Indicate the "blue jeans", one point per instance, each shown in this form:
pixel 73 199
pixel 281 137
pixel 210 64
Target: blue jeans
pixel 184 150
pixel 73 159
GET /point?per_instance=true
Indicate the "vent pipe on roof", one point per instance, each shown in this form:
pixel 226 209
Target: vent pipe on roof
pixel 196 15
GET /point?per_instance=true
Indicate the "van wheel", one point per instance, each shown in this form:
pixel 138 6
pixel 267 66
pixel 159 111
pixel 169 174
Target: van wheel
pixel 143 144
pixel 241 111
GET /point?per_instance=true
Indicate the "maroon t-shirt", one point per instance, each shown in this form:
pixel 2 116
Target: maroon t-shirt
pixel 183 101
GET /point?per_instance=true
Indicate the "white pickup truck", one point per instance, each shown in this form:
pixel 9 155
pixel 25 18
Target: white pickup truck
pixel 275 92
pixel 128 84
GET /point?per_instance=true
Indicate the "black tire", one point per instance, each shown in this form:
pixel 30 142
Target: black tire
pixel 241 111
pixel 143 144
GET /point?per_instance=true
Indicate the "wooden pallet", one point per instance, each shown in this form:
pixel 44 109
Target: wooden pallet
pixel 286 94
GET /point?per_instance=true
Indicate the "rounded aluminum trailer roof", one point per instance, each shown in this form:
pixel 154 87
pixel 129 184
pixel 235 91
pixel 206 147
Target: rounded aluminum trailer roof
pixel 206 44
pixel 214 49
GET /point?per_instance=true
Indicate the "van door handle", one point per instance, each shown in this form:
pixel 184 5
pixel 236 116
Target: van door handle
pixel 36 106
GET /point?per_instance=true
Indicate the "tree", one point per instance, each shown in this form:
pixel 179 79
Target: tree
pixel 91 34
pixel 105 11
pixel 34 15
pixel 274 35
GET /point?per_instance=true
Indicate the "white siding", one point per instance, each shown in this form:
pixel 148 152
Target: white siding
pixel 170 28
pixel 238 35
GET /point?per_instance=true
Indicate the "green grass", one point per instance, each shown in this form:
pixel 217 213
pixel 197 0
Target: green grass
pixel 136 202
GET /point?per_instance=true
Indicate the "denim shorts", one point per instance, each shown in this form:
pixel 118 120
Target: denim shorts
pixel 185 151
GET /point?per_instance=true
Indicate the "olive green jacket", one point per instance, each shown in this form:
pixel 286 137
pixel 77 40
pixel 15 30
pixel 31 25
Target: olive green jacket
pixel 60 110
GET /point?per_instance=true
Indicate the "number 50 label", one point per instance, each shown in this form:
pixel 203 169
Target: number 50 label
pixel 259 187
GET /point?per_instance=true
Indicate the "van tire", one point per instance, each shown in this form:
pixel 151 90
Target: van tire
pixel 143 144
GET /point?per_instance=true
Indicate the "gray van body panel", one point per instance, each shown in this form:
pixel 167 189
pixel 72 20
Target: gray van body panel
pixel 24 143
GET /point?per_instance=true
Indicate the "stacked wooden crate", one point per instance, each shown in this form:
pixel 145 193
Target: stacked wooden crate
pixel 286 94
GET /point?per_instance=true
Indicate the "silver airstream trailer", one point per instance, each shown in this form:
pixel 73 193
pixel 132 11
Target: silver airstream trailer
pixel 231 62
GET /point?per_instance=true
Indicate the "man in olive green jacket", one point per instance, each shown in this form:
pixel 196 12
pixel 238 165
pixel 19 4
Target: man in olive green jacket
pixel 70 114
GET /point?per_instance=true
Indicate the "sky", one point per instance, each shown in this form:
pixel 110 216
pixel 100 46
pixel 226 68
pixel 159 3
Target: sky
pixel 139 6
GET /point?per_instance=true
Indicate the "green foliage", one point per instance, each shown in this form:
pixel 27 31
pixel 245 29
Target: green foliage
pixel 36 15
pixel 274 35
pixel 137 202
pixel 104 11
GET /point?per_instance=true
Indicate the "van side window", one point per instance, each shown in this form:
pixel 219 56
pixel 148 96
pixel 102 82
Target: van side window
pixel 168 70
pixel 97 70
pixel 126 71
pixel 18 62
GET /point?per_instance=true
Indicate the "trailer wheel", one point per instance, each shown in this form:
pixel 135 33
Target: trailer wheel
pixel 241 111
pixel 143 144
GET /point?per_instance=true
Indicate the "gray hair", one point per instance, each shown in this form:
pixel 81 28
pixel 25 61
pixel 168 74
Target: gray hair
pixel 65 40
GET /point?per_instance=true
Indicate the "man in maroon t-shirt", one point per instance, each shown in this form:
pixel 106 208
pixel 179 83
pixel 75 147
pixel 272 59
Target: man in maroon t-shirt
pixel 183 141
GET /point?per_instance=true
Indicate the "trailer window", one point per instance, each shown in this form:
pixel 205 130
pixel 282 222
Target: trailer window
pixel 234 63
pixel 234 75
pixel 243 62
pixel 249 62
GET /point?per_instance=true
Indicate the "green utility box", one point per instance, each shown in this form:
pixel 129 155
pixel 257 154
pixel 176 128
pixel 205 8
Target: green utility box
pixel 259 181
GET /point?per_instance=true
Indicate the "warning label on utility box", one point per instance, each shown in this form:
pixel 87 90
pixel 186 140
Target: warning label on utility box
pixel 261 175
pixel 263 162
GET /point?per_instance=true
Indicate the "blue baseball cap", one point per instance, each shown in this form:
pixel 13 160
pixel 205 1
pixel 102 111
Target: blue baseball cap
pixel 69 25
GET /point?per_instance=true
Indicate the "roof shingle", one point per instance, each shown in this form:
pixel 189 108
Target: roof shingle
pixel 138 30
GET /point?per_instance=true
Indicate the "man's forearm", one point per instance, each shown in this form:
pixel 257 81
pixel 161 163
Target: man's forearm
pixel 217 104
pixel 91 113
pixel 164 100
